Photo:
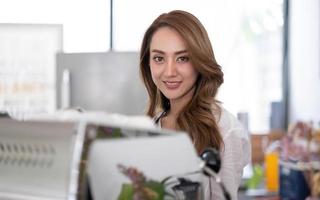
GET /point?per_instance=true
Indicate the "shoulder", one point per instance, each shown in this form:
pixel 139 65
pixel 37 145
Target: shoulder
pixel 229 124
pixel 236 152
pixel 235 136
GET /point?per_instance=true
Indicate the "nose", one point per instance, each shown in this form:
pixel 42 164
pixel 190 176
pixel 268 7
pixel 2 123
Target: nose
pixel 170 69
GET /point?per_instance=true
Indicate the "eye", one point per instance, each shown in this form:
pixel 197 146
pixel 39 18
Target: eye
pixel 183 59
pixel 157 58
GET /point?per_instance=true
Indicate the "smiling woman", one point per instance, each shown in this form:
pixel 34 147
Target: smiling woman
pixel 172 71
pixel 171 68
pixel 182 77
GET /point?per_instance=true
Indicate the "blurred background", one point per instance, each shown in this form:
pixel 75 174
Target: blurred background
pixel 84 53
pixel 268 51
pixel 39 39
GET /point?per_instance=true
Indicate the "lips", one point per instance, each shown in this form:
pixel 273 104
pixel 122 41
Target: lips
pixel 172 84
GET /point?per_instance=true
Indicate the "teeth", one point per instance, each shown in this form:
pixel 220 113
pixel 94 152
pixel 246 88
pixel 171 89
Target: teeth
pixel 172 83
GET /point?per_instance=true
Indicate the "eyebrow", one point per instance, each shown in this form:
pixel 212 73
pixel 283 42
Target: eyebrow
pixel 162 52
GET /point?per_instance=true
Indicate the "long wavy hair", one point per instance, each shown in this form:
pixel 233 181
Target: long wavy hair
pixel 197 117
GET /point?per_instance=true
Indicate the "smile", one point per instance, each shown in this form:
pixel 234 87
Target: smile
pixel 172 84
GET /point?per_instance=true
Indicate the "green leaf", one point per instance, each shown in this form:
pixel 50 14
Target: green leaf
pixel 156 187
pixel 256 178
pixel 126 192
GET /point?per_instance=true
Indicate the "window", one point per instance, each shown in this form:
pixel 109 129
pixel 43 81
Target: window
pixel 29 40
pixel 246 36
pixel 247 39
pixel 85 23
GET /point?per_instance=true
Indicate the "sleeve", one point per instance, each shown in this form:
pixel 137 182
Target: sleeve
pixel 235 156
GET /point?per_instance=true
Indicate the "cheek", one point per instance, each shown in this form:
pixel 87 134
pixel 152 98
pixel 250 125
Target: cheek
pixel 190 72
pixel 192 79
pixel 195 75
pixel 155 73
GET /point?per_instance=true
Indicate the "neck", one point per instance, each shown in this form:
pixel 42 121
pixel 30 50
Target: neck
pixel 176 106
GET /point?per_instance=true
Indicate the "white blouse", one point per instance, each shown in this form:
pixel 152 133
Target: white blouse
pixel 235 155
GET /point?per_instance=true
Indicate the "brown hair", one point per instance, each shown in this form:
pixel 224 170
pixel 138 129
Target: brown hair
pixel 196 118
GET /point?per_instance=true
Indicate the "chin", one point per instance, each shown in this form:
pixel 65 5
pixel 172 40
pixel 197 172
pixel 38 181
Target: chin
pixel 171 96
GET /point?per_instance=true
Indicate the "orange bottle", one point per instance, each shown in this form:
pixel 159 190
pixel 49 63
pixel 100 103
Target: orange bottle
pixel 272 171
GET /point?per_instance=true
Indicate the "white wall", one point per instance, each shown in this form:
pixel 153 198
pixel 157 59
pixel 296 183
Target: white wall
pixel 304 60
pixel 85 22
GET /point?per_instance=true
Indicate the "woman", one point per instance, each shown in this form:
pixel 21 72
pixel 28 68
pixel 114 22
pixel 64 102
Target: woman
pixel 182 77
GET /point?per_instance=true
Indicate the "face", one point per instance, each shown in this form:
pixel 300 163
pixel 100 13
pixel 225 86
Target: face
pixel 170 65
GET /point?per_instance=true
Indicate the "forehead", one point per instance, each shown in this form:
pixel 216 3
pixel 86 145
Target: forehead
pixel 168 40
